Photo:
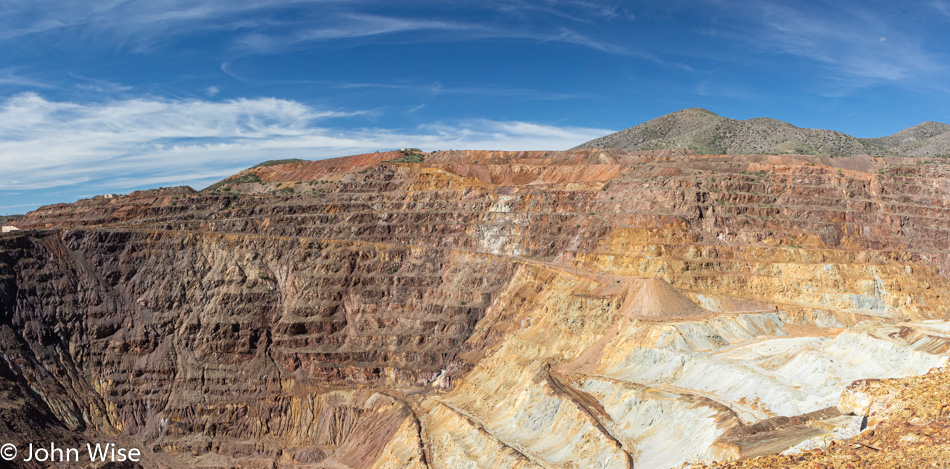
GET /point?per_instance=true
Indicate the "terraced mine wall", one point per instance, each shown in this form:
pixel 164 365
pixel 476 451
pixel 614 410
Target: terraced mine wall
pixel 478 309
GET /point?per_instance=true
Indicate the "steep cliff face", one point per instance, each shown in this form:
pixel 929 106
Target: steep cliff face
pixel 591 308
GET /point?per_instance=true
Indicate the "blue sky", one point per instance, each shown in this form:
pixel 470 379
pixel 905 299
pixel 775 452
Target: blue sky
pixel 114 95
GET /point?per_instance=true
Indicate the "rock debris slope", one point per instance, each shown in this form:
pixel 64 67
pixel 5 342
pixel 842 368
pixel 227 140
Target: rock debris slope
pixel 579 309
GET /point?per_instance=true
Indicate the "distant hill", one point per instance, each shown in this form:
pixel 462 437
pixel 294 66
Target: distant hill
pixel 927 139
pixel 278 162
pixel 706 132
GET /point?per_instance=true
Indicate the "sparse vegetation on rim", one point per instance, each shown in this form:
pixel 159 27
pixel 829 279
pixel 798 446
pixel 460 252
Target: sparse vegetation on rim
pixel 708 133
pixel 278 162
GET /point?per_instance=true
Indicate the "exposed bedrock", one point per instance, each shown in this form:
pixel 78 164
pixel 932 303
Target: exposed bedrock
pixel 478 309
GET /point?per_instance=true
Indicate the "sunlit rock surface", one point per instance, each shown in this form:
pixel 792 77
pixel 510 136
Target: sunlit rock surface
pixel 583 309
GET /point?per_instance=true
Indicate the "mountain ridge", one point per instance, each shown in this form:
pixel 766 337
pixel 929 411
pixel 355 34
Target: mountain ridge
pixel 706 132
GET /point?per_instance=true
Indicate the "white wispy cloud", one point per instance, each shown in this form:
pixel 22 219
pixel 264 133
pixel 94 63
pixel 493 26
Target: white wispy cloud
pixel 10 77
pixel 353 26
pixel 113 145
pixel 142 26
pixel 96 86
pixel 942 6
pixel 854 43
pixel 139 26
pixel 853 49
pixel 347 26
pixel 437 88
pixel 573 37
pixel 578 11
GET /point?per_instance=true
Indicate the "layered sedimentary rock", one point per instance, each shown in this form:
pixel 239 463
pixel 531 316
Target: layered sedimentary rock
pixel 590 308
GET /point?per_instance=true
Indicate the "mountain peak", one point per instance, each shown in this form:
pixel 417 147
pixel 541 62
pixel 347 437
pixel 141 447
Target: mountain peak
pixel 926 129
pixel 706 132
pixel 695 111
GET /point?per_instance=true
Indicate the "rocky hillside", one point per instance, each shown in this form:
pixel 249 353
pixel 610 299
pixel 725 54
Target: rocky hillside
pixel 705 132
pixel 587 308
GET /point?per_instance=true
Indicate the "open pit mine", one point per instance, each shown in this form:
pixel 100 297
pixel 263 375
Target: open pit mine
pixel 591 308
